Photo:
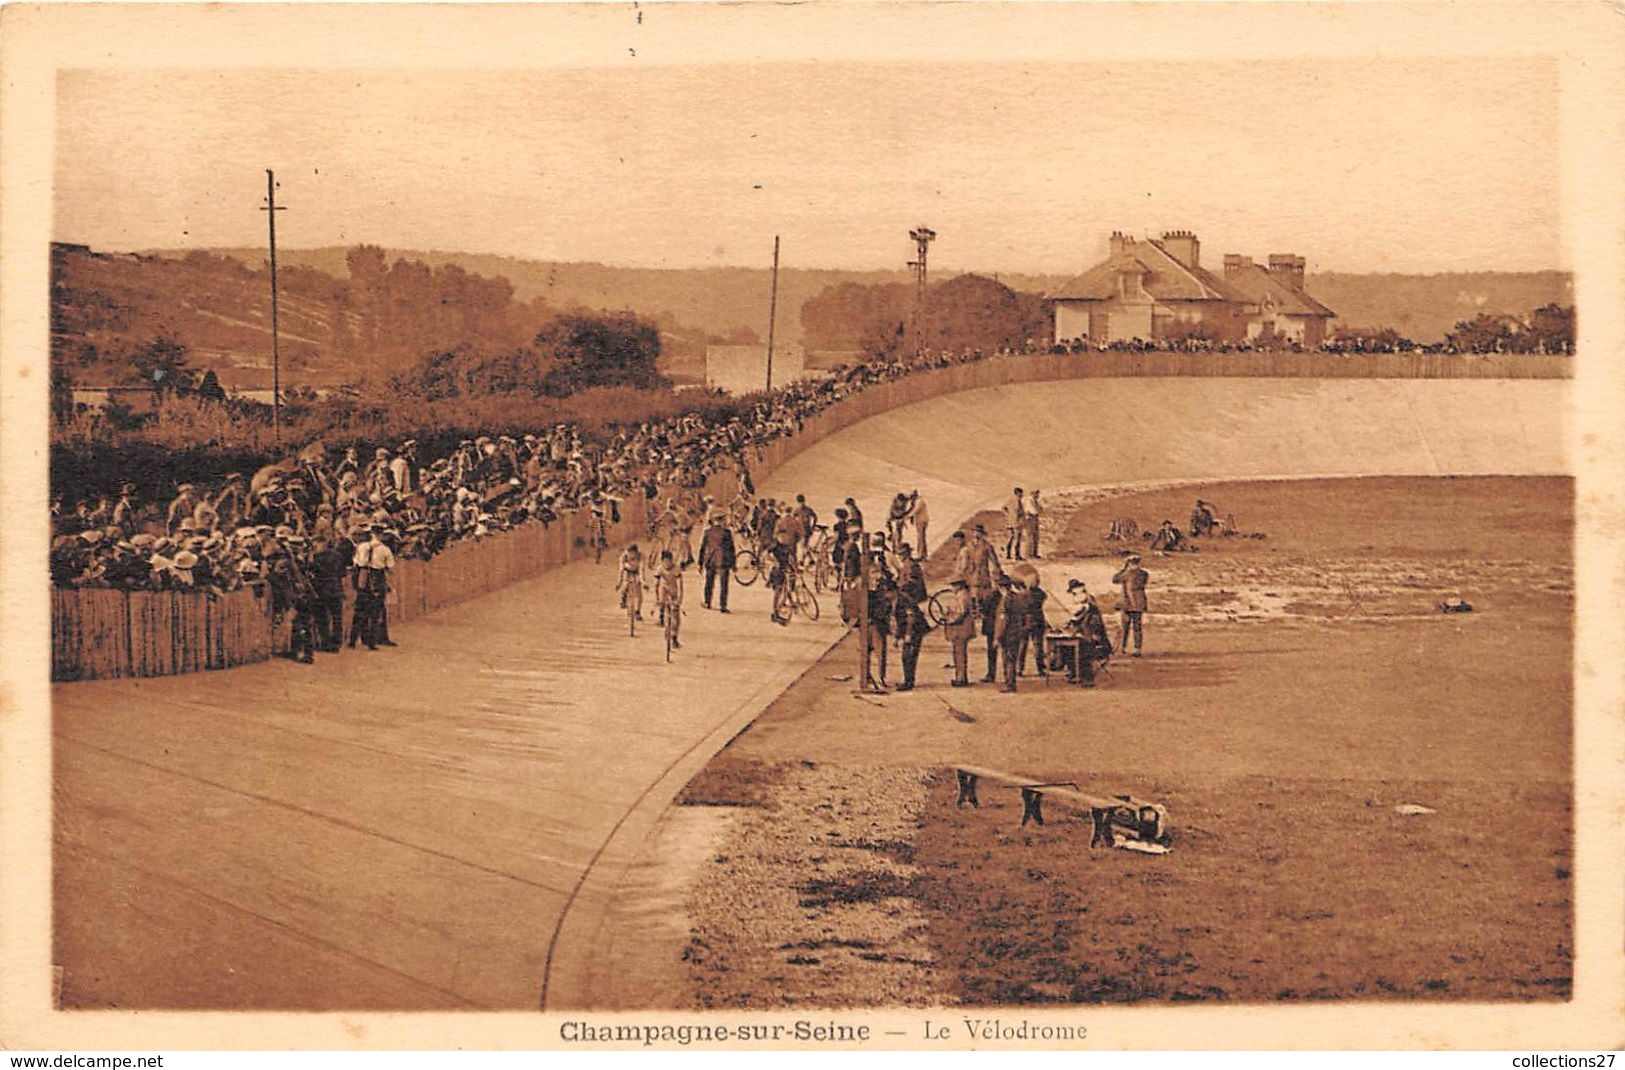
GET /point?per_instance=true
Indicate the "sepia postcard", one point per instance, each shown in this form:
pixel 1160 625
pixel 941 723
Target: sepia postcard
pixel 834 526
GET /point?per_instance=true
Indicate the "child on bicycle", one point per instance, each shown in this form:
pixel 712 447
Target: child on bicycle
pixel 668 584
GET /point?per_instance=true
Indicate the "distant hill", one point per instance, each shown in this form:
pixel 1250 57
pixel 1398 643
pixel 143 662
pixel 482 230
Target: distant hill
pixel 1423 307
pixel 333 330
pixel 718 300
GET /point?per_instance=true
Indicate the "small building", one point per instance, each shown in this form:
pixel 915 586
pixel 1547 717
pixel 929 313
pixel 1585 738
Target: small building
pixel 1282 307
pixel 1156 290
pixel 742 369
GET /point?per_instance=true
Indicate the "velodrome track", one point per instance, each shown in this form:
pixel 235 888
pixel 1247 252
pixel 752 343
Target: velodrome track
pixel 445 824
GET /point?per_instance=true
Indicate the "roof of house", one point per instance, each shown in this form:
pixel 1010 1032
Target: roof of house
pixel 1259 287
pixel 1166 279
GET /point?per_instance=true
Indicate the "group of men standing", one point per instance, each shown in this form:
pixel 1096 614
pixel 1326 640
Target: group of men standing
pixel 306 579
pixel 1005 606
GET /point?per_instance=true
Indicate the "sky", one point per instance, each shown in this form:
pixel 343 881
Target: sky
pixel 1359 163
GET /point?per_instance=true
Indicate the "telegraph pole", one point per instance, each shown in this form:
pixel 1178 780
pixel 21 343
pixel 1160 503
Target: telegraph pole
pixel 772 312
pixel 271 208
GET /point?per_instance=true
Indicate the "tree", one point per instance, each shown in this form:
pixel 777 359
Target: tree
pixel 1552 328
pixel 976 312
pixel 161 364
pixel 61 393
pixel 851 315
pixel 586 351
pixel 1481 334
pixel 209 388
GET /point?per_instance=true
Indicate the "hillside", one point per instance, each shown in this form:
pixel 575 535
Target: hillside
pixel 1423 307
pixel 336 327
pixel 1426 307
pixel 719 300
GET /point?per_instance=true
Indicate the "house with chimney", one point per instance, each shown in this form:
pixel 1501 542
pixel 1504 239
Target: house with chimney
pixel 1157 290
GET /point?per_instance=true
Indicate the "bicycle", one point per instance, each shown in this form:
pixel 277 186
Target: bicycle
pixel 670 617
pixel 747 568
pixel 632 599
pixel 800 598
pixel 942 613
pixel 826 577
pixel 816 545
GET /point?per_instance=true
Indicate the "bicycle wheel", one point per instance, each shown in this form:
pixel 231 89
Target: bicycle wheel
pixel 806 600
pixel 824 575
pixel 940 613
pixel 747 569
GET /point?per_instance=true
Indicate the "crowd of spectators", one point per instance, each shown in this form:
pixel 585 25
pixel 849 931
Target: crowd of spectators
pixel 1336 345
pixel 238 533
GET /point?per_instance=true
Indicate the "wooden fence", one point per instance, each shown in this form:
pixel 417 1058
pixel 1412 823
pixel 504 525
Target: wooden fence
pixel 98 634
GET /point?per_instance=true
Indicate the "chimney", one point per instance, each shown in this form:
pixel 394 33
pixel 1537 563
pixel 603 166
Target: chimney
pixel 1183 247
pixel 1120 243
pixel 1288 269
pixel 1235 264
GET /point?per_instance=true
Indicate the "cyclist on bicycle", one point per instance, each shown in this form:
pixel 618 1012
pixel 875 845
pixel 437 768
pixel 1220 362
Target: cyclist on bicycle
pixel 668 584
pixel 783 576
pixel 599 510
pixel 630 584
pixel 807 519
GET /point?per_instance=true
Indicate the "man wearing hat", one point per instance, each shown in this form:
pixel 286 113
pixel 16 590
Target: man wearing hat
pixel 124 510
pixel 372 563
pixel 328 566
pixel 978 562
pixel 291 589
pixel 882 601
pixel 400 469
pixel 959 610
pixel 376 479
pixel 1037 625
pixel 717 558
pixel 1131 578
pixel 1167 538
pixel 1088 624
pixel 909 623
pixel 182 508
pixel 1011 627
pixel 1032 510
pixel 1202 520
pixel 921 515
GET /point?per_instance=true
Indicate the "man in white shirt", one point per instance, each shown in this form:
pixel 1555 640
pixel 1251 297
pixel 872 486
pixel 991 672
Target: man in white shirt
pixel 373 561
pixel 921 515
pixel 1031 510
pixel 1015 515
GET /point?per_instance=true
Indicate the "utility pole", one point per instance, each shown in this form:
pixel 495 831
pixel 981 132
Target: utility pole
pixel 923 237
pixel 271 208
pixel 772 312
